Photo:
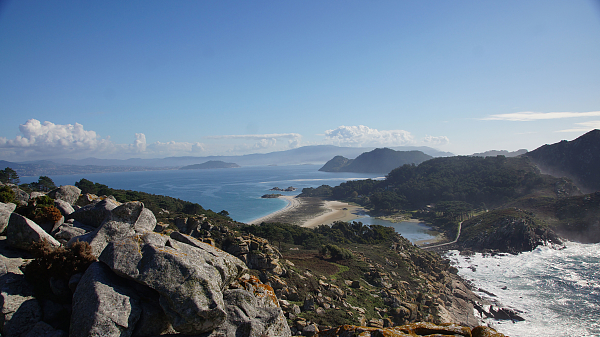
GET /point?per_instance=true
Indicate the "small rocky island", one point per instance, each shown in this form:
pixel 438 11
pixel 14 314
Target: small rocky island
pixel 211 164
pixel 272 196
pixel 289 189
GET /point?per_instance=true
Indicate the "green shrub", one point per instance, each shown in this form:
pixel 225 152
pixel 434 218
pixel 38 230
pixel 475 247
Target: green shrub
pixel 6 194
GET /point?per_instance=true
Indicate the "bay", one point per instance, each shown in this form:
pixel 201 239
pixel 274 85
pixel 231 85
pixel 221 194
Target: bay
pixel 237 190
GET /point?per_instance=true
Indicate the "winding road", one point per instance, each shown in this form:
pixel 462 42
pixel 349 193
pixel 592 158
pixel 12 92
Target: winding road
pixel 447 243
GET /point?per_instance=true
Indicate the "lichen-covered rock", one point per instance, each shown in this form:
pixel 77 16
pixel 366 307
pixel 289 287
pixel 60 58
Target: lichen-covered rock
pixel 20 196
pixel 67 231
pixel 94 214
pixel 123 221
pixel 484 331
pixel 67 193
pixel 247 317
pixel 153 320
pixel 64 207
pixel 189 279
pixel 103 305
pixel 22 232
pixel 5 212
pixel 410 330
pixel 20 311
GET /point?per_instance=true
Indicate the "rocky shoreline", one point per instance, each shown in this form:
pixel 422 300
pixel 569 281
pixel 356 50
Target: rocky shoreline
pixel 106 268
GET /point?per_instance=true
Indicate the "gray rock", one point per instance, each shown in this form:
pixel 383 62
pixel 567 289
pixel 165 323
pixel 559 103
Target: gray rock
pixel 21 196
pixel 74 281
pixel 64 207
pixel 124 221
pixel 19 309
pixel 67 193
pixel 43 329
pixel 103 305
pixel 248 316
pixel 36 194
pixel 22 232
pixel 94 214
pixel 67 231
pixel 190 280
pixel 5 211
pixel 134 212
pixel 153 321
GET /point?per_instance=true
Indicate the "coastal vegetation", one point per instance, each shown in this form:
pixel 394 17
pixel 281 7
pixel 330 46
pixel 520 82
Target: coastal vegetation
pixel 446 191
pixel 165 208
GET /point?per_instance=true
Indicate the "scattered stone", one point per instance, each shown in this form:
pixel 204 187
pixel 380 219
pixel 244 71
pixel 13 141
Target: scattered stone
pixel 124 221
pixel 189 279
pixel 5 212
pixel 20 310
pixel 94 214
pixel 103 305
pixel 68 193
pixel 22 232
pixel 64 207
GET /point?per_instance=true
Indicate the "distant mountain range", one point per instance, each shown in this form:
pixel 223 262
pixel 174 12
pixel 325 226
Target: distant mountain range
pixel 318 154
pixel 494 153
pixel 376 161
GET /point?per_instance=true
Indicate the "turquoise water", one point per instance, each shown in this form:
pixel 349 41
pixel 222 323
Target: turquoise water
pixel 238 191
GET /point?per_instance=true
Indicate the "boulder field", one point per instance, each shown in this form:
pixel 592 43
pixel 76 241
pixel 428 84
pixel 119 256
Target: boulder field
pixel 107 269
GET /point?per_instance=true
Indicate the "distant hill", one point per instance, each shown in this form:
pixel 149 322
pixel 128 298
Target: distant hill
pixel 315 154
pixel 494 153
pixel 211 164
pixel 578 160
pixel 376 161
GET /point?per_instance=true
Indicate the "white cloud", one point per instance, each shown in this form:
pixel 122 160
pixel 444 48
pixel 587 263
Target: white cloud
pixel 583 127
pixel 436 140
pixel 262 142
pixel 364 136
pixel 174 148
pixel 140 142
pixel 527 116
pixel 48 140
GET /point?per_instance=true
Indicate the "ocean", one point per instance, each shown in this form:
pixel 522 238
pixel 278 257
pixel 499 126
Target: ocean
pixel 556 291
pixel 238 190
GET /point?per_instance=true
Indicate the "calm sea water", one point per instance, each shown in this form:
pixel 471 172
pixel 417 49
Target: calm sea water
pixel 238 191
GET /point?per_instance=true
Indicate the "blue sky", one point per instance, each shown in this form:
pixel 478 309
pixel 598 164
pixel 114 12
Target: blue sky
pixel 120 79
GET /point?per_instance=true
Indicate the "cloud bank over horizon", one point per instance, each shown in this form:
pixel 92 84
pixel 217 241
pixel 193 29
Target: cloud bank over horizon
pixel 527 116
pixel 48 140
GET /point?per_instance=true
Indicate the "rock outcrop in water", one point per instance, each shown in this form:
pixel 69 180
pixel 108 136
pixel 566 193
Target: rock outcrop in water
pixel 148 283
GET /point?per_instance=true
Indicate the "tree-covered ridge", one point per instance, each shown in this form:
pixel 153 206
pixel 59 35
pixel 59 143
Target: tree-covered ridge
pixel 577 159
pixel 158 204
pixel 481 182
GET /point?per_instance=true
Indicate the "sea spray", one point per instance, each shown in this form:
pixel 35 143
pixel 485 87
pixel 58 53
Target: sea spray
pixel 557 291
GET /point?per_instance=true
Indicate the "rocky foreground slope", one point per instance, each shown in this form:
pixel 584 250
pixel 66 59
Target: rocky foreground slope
pixel 104 268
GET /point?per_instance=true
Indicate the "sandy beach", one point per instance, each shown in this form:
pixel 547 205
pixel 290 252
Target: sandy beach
pixel 312 212
pixel 293 203
pixel 336 211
